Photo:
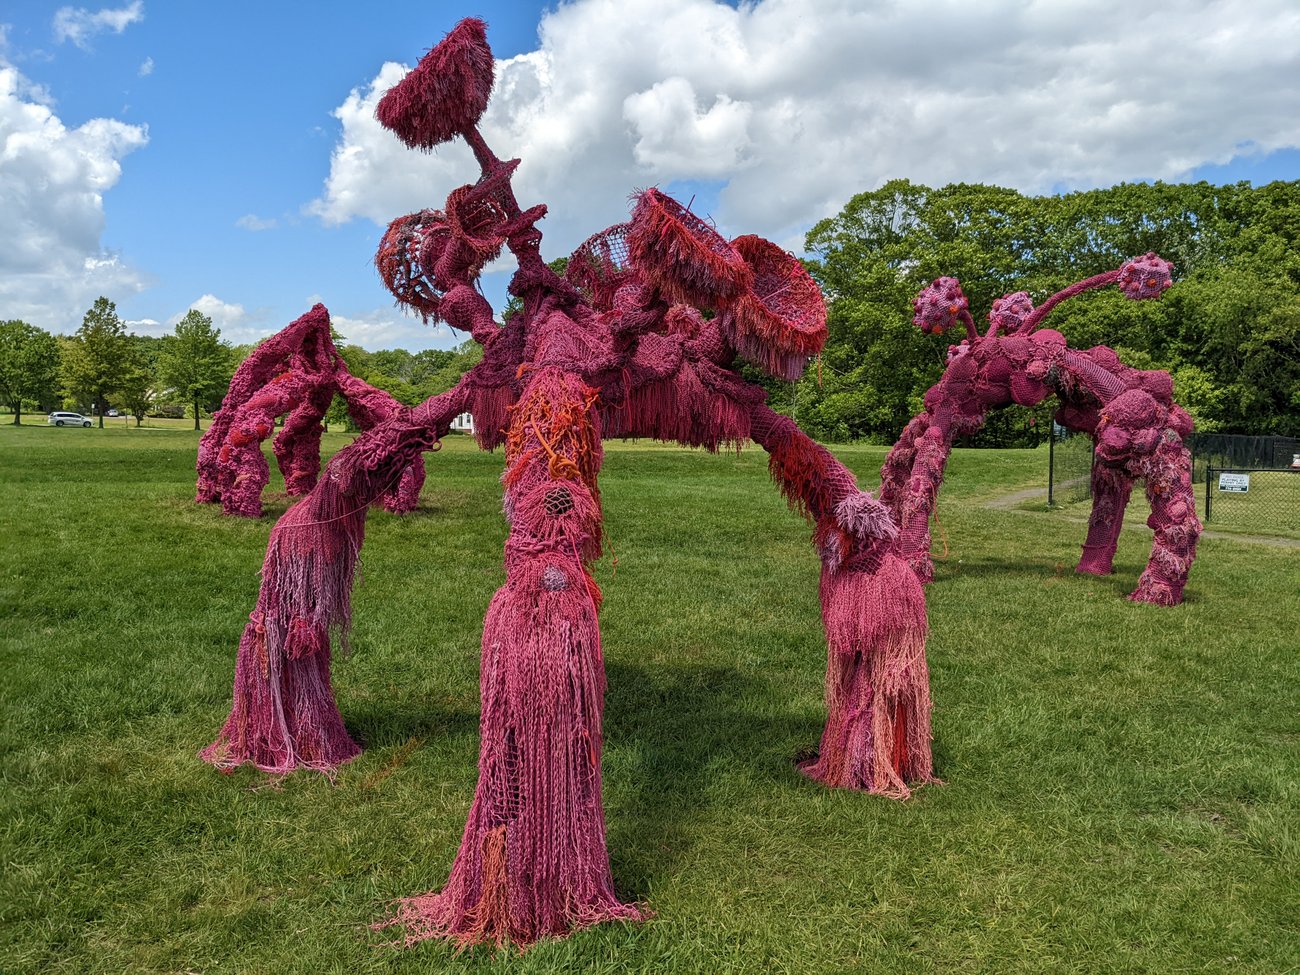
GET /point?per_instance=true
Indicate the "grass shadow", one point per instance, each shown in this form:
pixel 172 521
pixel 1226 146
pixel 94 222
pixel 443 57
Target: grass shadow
pixel 678 741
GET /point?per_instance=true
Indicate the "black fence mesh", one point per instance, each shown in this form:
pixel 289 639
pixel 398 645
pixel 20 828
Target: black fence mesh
pixel 1069 467
pixel 1234 450
pixel 1258 502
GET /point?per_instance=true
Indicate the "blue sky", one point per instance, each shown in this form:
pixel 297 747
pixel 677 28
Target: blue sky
pixel 235 166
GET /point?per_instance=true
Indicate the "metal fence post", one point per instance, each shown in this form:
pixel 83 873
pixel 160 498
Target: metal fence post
pixel 1051 462
pixel 1209 477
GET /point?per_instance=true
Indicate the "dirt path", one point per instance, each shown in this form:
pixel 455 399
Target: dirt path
pixel 1012 502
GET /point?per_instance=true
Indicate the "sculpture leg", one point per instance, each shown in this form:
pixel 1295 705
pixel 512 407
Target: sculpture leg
pixel 404 497
pixel 877 734
pixel 248 473
pixel 897 469
pixel 284 716
pixel 1111 488
pixel 932 450
pixel 1168 476
pixel 532 861
pixel 297 446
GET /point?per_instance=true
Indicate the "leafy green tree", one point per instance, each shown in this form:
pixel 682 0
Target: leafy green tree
pixel 1229 332
pixel 194 362
pixel 96 357
pixel 29 366
pixel 138 389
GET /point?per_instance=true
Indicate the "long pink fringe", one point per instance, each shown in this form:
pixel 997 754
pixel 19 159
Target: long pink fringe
pixel 532 861
pixel 284 716
pixel 877 735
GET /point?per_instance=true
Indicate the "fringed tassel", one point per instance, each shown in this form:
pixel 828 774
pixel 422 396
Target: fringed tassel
pixel 680 409
pixel 490 408
pixel 877 735
pixel 284 716
pixel 532 861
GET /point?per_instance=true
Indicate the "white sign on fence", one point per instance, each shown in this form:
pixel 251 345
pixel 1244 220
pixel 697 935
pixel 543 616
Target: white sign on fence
pixel 1234 483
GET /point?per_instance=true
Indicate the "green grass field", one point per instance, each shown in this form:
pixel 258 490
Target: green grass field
pixel 1123 782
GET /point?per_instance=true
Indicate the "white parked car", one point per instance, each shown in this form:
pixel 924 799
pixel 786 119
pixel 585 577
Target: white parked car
pixel 67 420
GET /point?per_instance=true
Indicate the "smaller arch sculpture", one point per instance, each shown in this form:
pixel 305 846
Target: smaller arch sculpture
pixel 1137 429
pixel 295 374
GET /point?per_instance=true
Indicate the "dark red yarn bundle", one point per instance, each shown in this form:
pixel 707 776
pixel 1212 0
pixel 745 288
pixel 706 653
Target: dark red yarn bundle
pixel 1138 430
pixel 621 346
pixel 446 93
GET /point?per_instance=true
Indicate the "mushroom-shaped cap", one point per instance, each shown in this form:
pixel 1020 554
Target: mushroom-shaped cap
pixel 683 256
pixel 781 321
pixel 446 93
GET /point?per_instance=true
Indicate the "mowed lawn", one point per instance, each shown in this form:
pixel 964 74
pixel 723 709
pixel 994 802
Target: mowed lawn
pixel 1122 782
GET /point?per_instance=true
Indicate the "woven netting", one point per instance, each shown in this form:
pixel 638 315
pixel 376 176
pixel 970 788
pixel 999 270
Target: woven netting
pixel 600 266
pixel 408 252
pixel 446 93
pixel 781 322
pixel 477 219
pixel 683 256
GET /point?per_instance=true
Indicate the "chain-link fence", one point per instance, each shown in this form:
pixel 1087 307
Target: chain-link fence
pixel 1069 466
pixel 1257 501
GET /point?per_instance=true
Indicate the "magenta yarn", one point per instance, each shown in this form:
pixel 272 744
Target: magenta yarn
pixel 620 346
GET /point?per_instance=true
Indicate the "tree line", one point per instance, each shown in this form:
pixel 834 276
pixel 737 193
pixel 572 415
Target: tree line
pixel 103 366
pixel 1229 332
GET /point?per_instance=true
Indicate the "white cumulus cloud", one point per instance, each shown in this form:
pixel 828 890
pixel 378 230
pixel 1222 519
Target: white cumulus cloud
pixel 52 180
pixel 225 315
pixel 146 68
pixel 79 25
pixel 795 105
pixel 388 328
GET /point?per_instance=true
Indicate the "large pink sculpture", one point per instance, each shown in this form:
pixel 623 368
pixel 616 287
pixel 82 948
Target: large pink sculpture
pixel 1138 430
pixel 618 347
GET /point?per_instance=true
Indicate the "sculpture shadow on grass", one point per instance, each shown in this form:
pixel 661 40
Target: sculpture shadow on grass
pixel 677 736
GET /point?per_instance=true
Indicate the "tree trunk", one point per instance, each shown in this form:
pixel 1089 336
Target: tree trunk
pixel 18 414
pixel 196 413
pixel 99 408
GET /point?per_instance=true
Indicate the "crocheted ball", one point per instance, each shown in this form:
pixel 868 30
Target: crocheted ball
pixel 1145 277
pixel 1009 311
pixel 939 306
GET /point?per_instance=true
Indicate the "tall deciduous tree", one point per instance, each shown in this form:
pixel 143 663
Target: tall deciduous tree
pixel 29 366
pixel 194 361
pixel 96 357
pixel 1229 333
pixel 139 379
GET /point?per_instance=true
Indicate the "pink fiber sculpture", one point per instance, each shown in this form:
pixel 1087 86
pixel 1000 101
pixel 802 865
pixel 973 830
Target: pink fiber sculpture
pixel 618 347
pixel 294 374
pixel 1137 428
